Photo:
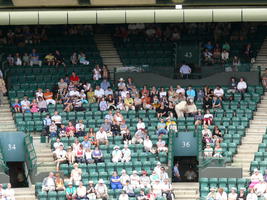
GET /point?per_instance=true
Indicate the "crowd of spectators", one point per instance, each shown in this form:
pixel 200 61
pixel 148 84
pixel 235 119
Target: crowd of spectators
pixel 149 187
pixel 7 193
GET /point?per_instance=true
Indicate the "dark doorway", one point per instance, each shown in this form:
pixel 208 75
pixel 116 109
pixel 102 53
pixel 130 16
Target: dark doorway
pixel 17 174
pixel 187 168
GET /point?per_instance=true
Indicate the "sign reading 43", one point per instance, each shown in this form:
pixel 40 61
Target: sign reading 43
pixel 188 54
pixel 11 147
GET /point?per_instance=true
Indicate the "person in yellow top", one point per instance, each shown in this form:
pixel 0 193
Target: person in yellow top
pixel 129 102
pixel 50 59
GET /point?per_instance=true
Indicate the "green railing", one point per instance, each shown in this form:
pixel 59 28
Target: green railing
pixel 31 158
pixel 171 151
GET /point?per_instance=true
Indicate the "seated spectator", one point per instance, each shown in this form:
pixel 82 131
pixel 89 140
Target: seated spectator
pixel 91 193
pixel 80 129
pixel 25 59
pixel 146 100
pixel 88 156
pixel 242 194
pixel 103 104
pixel 126 137
pixel 61 156
pixel 190 175
pixel 10 60
pixel 139 136
pixel 81 192
pixel 218 151
pixel 25 105
pixel 161 110
pixel 128 189
pixel 207 57
pixel 9 193
pixel 97 73
pixel 46 123
pixel 115 181
pixel 171 125
pixel 148 144
pixel 126 154
pixel 129 103
pixel 251 195
pixel 118 118
pixel 53 130
pixel 216 102
pixel 17 60
pixel 153 177
pixel 218 92
pixel 71 192
pixel 198 118
pixel 42 105
pixel 111 102
pixel 59 59
pixel 185 71
pixel 116 154
pixel 62 131
pixel 255 178
pixel 97 155
pixel 74 78
pixel 35 59
pixel 57 119
pixel 68 104
pixel 91 96
pixel 157 188
pixel 74 58
pixel 144 180
pixel 48 96
pixel 59 182
pixel 232 88
pixel 92 136
pixel 16 106
pixel 101 190
pixel 260 189
pixel 123 195
pixel 49 183
pixel 99 93
pixel 124 177
pixel 70 129
pixel 76 174
pixel 212 194
pixel 167 190
pixel 50 59
pixel 242 86
pixel 208 151
pixel 70 156
pixel 235 64
pixel 180 109
pixel 105 84
pixel 101 137
pixel 191 108
pixel 86 143
pixel 208 118
pixel 232 195
pixel 190 92
pixel 207 103
pixel 135 180
pixel 77 104
pixel 82 59
pixel 39 93
pixel 161 145
pixel 161 127
pixel 225 56
pixel 221 194
pixel 79 157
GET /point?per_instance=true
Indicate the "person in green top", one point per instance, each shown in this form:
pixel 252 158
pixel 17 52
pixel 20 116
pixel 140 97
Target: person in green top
pixel 70 191
pixel 226 46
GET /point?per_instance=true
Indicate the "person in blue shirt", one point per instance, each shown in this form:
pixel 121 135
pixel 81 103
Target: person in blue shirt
pixel 115 182
pixel 86 143
pixel 190 92
pixel 105 84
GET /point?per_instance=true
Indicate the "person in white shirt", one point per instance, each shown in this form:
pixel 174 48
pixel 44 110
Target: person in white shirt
pixel 167 190
pixel 135 180
pixel 163 174
pixel 74 92
pixel 260 188
pixel 81 191
pixel 221 195
pixel 116 154
pixel 255 178
pixel 148 144
pixel 124 177
pixel 242 86
pixel 123 195
pixel 99 92
pixel 179 89
pixel 76 174
pixel 126 154
pixel 157 169
pixel 57 143
pixel 49 183
pixel 80 127
pixel 185 71
pixel 232 195
pixel 140 125
pixel 101 136
pixel 39 93
pixel 251 195
pixel 9 193
pixel 25 104
pixel 145 180
pixel 224 56
pixel 101 190
pixel 57 119
pixel 61 156
pixel 218 92
pixel 157 188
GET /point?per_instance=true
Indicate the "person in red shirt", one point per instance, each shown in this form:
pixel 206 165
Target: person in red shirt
pixel 146 100
pixel 74 78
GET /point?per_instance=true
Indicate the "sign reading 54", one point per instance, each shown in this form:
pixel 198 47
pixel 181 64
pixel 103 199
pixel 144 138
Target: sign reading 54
pixel 11 147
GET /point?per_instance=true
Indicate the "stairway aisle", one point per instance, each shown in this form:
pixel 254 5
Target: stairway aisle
pixel 261 59
pixel 44 155
pixel 186 191
pixel 107 50
pixel 7 123
pixel 25 193
pixel 254 135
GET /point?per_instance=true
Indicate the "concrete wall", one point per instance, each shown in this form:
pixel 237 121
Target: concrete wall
pixel 223 78
pixel 220 172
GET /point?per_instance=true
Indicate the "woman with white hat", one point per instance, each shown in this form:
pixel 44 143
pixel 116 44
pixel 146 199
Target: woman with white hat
pixel 232 195
pixel 124 177
pixel 116 154
pixel 101 190
pixel 126 152
pixel 255 178
pixel 91 193
pixel 76 174
pixel 221 194
pixel 135 180
pixel 212 194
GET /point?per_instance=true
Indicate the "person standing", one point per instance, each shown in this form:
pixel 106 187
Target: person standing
pixel 176 173
pixel 185 71
pixel 2 90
